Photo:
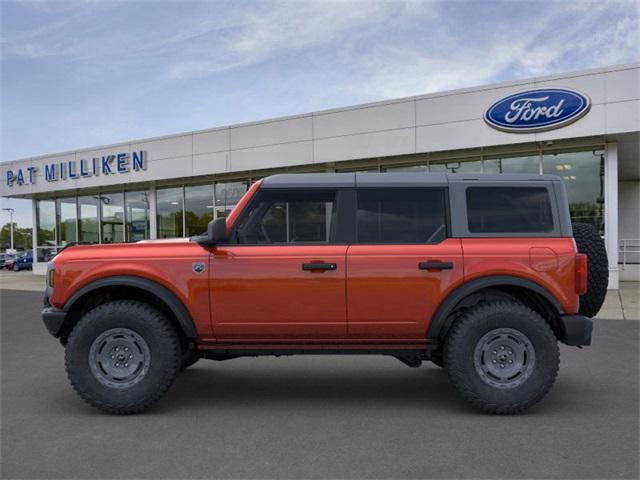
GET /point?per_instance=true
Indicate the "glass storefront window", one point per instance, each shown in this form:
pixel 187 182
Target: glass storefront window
pixel 227 195
pixel 67 220
pixel 137 216
pixel 363 169
pixel 88 219
pixel 46 229
pixel 583 175
pixel 468 166
pixel 527 164
pixel 407 168
pixel 169 212
pixel 198 208
pixel 112 217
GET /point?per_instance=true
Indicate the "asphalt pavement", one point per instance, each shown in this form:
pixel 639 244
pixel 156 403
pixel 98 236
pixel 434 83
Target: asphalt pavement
pixel 316 417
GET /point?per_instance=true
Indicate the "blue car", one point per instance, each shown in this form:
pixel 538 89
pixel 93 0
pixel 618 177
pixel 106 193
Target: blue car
pixel 23 262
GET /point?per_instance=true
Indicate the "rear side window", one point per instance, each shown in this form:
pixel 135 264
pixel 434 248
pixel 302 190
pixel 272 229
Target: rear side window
pixel 401 216
pixel 509 210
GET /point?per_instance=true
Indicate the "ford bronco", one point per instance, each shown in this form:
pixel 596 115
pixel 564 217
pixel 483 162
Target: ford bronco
pixel 482 275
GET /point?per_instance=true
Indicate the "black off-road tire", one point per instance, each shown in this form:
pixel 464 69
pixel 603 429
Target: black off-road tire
pixel 189 357
pixel 469 331
pixel 589 242
pixel 161 343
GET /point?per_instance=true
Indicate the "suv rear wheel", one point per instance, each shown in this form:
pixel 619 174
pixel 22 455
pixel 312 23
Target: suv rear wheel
pixel 502 356
pixel 122 356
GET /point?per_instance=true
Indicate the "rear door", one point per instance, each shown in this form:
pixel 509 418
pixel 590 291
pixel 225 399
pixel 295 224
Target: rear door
pixel 284 277
pixel 402 263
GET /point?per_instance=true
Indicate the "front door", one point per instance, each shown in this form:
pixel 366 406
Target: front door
pixel 402 263
pixel 283 276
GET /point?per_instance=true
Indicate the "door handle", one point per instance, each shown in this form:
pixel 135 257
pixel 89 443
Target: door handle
pixel 318 266
pixel 435 265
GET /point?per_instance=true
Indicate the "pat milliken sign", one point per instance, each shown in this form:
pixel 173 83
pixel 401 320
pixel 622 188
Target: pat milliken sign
pixel 105 165
pixel 537 110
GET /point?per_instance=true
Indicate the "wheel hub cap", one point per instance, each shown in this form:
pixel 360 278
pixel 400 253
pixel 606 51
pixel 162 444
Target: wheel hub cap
pixel 504 358
pixel 119 358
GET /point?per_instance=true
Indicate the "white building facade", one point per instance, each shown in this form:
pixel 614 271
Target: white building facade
pixel 582 126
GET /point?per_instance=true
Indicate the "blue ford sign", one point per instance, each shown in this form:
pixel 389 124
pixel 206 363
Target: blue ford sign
pixel 537 110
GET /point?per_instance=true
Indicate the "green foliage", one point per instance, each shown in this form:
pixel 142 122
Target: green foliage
pixel 21 237
pixel 586 212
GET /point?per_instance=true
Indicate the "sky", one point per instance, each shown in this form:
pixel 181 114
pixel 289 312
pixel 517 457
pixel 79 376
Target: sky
pixel 86 73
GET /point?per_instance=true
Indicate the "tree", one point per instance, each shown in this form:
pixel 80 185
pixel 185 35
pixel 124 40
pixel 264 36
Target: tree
pixel 22 237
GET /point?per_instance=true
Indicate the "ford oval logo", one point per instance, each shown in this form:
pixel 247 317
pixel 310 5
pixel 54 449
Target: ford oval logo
pixel 537 110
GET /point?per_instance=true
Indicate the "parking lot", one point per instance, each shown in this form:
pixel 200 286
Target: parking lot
pixel 316 417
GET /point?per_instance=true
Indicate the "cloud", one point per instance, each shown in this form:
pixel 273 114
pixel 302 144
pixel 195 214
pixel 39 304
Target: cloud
pixel 555 40
pixel 99 72
pixel 287 26
pixel 402 47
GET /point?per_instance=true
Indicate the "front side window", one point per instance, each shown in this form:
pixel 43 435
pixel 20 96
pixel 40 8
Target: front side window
pixel 509 210
pixel 289 217
pixel 401 216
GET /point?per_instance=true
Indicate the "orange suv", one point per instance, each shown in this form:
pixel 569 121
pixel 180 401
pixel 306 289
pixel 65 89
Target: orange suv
pixel 479 274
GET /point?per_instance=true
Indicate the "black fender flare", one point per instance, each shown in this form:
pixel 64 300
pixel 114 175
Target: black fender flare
pixel 441 321
pixel 163 293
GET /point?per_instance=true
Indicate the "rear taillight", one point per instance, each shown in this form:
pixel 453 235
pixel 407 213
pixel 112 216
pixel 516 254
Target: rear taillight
pixel 581 274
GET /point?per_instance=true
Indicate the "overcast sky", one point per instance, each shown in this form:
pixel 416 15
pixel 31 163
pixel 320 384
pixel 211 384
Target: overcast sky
pixel 82 74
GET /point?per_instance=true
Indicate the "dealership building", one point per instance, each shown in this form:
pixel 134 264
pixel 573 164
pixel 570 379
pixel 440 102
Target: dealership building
pixel 582 126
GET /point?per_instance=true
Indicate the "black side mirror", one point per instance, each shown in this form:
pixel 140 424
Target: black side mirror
pixel 217 230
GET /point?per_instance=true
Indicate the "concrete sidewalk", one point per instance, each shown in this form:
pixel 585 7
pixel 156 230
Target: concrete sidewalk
pixel 23 280
pixel 623 304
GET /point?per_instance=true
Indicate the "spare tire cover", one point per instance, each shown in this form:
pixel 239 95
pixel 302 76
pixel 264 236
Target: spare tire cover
pixel 589 242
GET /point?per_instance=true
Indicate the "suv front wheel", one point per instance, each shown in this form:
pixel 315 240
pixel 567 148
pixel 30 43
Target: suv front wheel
pixel 502 357
pixel 122 356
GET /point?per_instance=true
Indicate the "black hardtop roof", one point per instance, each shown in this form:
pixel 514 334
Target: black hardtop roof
pixel 404 179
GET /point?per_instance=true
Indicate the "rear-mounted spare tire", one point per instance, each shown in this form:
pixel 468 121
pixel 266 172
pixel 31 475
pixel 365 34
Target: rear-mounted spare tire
pixel 589 242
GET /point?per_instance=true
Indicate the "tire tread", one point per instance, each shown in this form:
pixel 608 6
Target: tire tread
pixel 165 329
pixel 478 317
pixel 589 242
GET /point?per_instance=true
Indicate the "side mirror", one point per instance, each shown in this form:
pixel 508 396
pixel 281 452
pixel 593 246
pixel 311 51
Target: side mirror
pixel 217 230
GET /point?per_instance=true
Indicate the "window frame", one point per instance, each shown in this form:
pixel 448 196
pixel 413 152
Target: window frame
pixel 447 217
pixel 337 236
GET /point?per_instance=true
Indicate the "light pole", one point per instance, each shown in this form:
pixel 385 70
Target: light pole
pixel 11 212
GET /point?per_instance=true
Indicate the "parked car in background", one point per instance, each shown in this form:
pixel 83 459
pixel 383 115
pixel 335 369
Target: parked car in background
pixel 23 262
pixel 9 261
pixel 6 258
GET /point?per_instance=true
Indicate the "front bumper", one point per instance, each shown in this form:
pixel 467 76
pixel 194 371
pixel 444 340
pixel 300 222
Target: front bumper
pixel 576 330
pixel 53 319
